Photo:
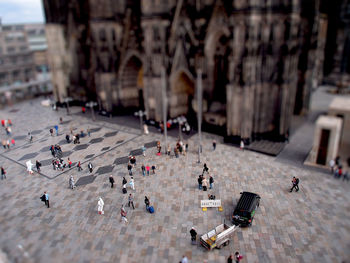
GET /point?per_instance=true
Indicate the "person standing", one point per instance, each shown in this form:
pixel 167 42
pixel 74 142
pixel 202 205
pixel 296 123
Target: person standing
pixel 143 168
pixel 205 169
pixel 132 183
pixel 51 132
pixel 88 131
pixel 211 181
pixel 3 173
pixel 230 259
pixel 193 235
pixel 111 180
pixel 200 179
pixel 123 214
pixel 214 145
pixel 79 167
pixel 184 259
pixel 143 149
pixel 168 150
pixel 332 164
pixel 153 169
pixel 205 184
pixel 148 168
pixel 47 199
pixel 241 146
pixel 130 168
pixel 13 142
pixel 71 182
pixel 147 202
pixel 69 163
pixel 100 205
pixel 90 167
pixel 56 128
pixel 295 183
pixel 131 201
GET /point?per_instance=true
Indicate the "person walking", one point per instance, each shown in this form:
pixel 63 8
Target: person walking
pixel 332 164
pixel 88 131
pixel 56 128
pixel 13 142
pixel 131 201
pixel 295 183
pixel 143 149
pixel 100 205
pixel 211 182
pixel 38 165
pixel 3 173
pixel 238 257
pixel 130 168
pixel 132 183
pixel 214 145
pixel 143 168
pixel 71 182
pixel 69 163
pixel 47 199
pixel 230 259
pixel 193 235
pixel 123 214
pixel 30 137
pixel 111 180
pixel 184 259
pixel 148 168
pixel 90 167
pixel 153 169
pixel 79 167
pixel 147 202
pixel 124 181
pixel 51 132
pixel 205 169
pixel 168 150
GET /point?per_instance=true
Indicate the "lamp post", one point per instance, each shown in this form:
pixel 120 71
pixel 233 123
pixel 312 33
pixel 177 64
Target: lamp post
pixel 180 120
pixel 67 100
pixel 164 101
pixel 199 112
pixel 91 105
pixel 140 113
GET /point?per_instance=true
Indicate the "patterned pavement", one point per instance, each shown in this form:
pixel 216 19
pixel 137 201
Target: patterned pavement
pixel 312 225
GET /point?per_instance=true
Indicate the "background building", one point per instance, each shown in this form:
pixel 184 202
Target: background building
pixel 23 58
pixel 259 59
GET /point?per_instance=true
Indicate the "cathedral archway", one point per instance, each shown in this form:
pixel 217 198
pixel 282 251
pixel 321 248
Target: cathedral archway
pixel 182 93
pixel 132 83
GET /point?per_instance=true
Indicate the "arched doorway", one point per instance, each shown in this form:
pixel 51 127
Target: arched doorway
pixel 132 84
pixel 182 93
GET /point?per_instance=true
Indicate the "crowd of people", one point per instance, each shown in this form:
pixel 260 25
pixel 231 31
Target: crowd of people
pixel 337 169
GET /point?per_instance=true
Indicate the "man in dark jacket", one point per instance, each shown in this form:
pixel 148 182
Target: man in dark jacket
pixel 193 234
pixel 111 180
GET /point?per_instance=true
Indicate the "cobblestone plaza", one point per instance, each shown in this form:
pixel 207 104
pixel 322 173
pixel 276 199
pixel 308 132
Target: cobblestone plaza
pixel 311 225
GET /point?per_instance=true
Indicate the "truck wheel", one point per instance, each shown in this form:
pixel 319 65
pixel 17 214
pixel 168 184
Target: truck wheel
pixel 227 243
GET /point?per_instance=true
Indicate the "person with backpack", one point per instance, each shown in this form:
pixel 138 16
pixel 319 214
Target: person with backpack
pixel 211 181
pixel 295 182
pixel 38 165
pixel 90 167
pixel 147 203
pixel 124 181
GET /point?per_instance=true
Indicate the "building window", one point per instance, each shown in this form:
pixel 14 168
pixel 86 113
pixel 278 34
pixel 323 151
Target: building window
pixel 14 60
pixel 23 48
pixel 102 34
pixel 11 49
pixel 21 39
pixel 8 39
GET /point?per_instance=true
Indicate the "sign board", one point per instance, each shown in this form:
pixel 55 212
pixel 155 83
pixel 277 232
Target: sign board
pixel 211 203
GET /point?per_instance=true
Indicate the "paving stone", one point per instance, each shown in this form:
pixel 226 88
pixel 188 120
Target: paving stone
pixel 110 134
pixel 97 140
pixel 85 180
pixel 28 156
pixel 121 160
pixel 36 132
pixel 46 162
pixel 89 156
pixel 20 137
pixel 120 141
pixel 136 152
pixel 95 129
pixel 151 144
pixel 80 147
pixel 105 149
pixel 105 169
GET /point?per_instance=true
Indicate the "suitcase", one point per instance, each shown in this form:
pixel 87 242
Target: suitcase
pixel 124 191
pixel 151 209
